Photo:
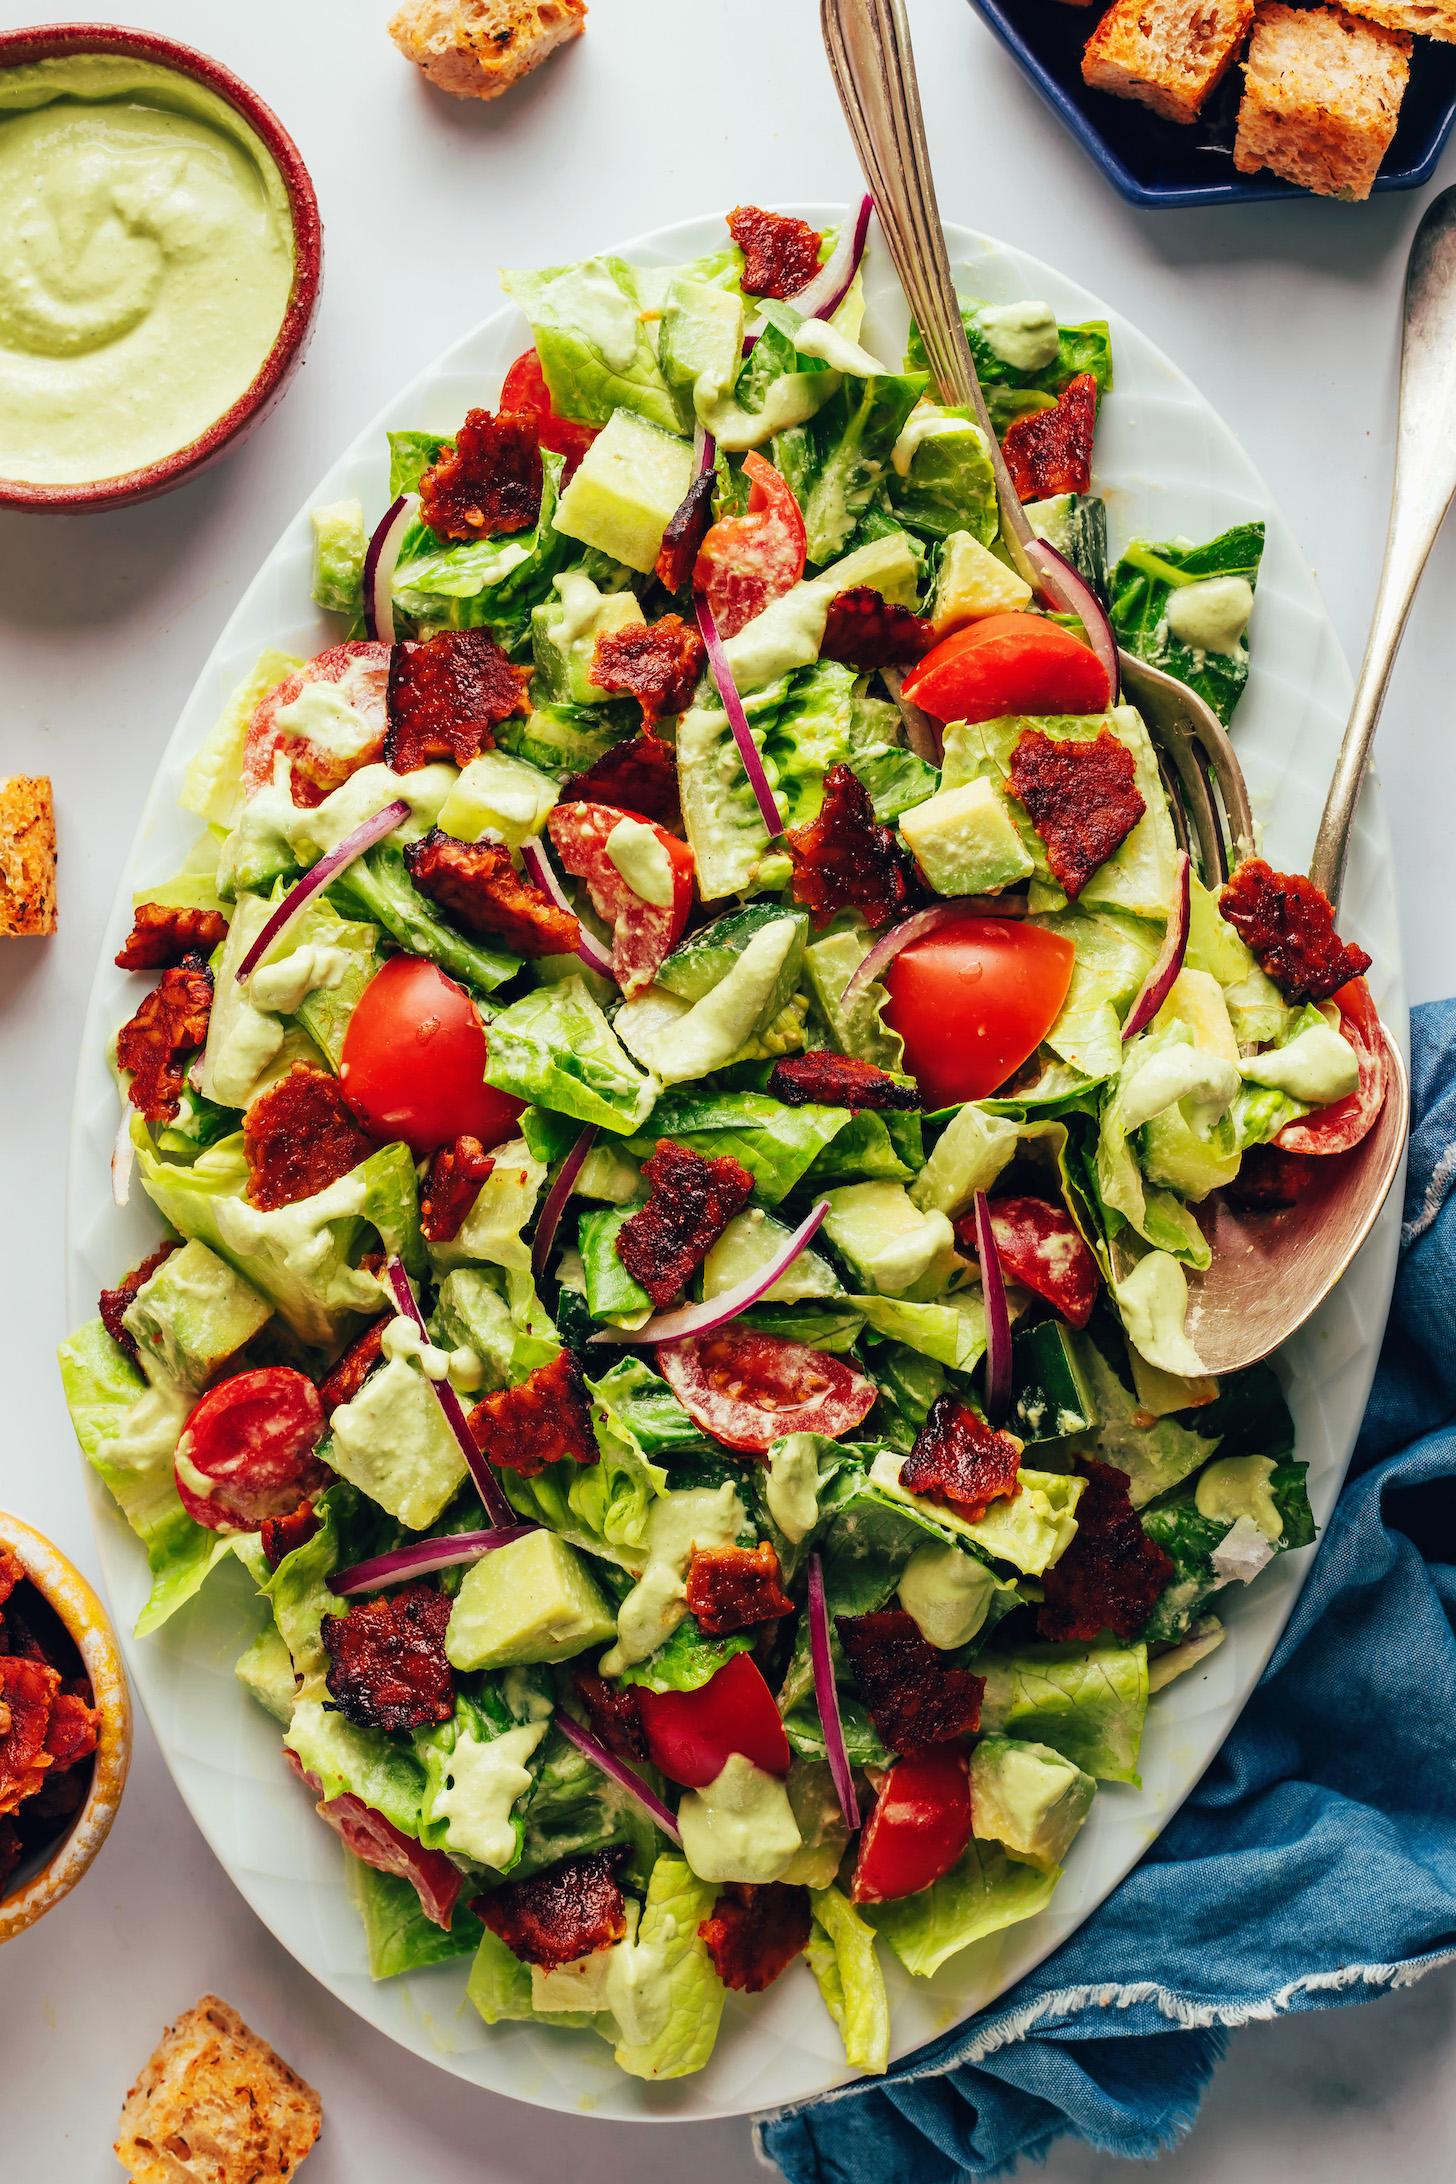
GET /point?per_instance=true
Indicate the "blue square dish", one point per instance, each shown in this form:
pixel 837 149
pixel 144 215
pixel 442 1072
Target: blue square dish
pixel 1157 162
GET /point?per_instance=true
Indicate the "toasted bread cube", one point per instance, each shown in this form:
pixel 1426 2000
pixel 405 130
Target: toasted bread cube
pixel 215 2105
pixel 1322 93
pixel 476 49
pixel 1426 18
pixel 1167 54
pixel 27 858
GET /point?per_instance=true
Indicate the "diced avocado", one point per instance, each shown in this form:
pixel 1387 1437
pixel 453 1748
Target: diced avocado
pixel 790 629
pixel 266 1669
pixel 1238 1486
pixel 392 1442
pixel 750 1243
pixel 191 1316
pixel 887 1242
pixel 564 633
pixel 1052 1395
pixel 340 543
pixel 965 841
pixel 972 582
pixel 531 1601
pixel 627 487
pixel 679 1040
pixel 947 1593
pixel 699 962
pixel 1029 1798
pixel 700 338
pixel 1076 524
pixel 501 795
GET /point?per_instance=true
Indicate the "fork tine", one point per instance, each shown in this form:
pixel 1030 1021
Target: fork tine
pixel 1172 715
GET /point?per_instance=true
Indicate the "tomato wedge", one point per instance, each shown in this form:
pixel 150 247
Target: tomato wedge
pixel 747 561
pixel 1336 1128
pixel 747 1388
pixel 643 932
pixel 1009 663
pixel 919 1827
pixel 246 1450
pixel 413 1064
pixel 524 393
pixel 1041 1246
pixel 359 673
pixel 691 1735
pixel 973 1000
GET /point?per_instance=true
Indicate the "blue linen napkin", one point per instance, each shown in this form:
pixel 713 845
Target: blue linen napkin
pixel 1315 1863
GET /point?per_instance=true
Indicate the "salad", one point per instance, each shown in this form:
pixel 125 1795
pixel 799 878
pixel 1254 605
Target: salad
pixel 680 1078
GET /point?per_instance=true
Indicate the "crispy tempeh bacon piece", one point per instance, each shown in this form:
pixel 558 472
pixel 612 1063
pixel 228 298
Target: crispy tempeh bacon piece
pixel 1050 451
pixel 843 860
pixel 658 663
pixel 824 1079
pixel 163 933
pixel 299 1136
pixel 170 1024
pixel 477 884
pixel 569 1911
pixel 755 1931
pixel 1082 798
pixel 912 1694
pixel 780 253
pixel 732 1588
pixel 867 631
pixel 961 1462
pixel 488 483
pixel 281 1535
pixel 1112 1574
pixel 348 1374
pixel 387 1666
pixel 452 1183
pixel 639 776
pixel 1287 923
pixel 694 1197
pixel 112 1303
pixel 447 697
pixel 544 1419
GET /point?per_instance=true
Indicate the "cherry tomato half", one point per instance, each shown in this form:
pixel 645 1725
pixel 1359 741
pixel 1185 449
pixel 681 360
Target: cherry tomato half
pixel 747 561
pixel 1336 1128
pixel 1009 663
pixel 919 1827
pixel 1041 1247
pixel 359 671
pixel 246 1451
pixel 643 933
pixel 973 1000
pixel 413 1064
pixel 747 1388
pixel 524 393
pixel 691 1735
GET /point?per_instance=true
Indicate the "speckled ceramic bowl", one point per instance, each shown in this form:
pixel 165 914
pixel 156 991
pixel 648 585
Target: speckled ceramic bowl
pixel 40 1887
pixel 48 40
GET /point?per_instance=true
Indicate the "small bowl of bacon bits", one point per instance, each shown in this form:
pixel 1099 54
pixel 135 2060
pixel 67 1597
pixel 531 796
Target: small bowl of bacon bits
pixel 65 1726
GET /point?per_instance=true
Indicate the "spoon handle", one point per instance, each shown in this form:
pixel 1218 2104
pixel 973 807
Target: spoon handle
pixel 873 66
pixel 1425 479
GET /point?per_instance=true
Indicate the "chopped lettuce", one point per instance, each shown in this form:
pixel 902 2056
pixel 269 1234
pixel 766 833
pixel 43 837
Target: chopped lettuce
pixel 398 1935
pixel 776 1143
pixel 842 1957
pixel 1085 348
pixel 980 1895
pixel 554 1046
pixel 485 582
pixel 680 1998
pixel 1086 1702
pixel 1148 578
pixel 212 787
pixel 377 887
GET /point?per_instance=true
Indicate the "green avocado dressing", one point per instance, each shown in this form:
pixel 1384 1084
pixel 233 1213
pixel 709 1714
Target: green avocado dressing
pixel 146 270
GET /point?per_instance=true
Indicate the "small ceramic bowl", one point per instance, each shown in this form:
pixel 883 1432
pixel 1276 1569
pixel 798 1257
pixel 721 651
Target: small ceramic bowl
pixel 50 40
pixel 38 1888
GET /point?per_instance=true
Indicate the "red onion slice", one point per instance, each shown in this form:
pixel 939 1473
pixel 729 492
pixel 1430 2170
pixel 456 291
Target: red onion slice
pixel 998 1318
pixel 123 1158
pixel 380 561
pixel 826 1696
pixel 620 1773
pixel 556 1201
pixel 758 781
pixel 831 284
pixel 888 946
pixel 424 1556
pixel 301 894
pixel 496 1507
pixel 1154 989
pixel 543 872
pixel 687 1320
pixel 1070 593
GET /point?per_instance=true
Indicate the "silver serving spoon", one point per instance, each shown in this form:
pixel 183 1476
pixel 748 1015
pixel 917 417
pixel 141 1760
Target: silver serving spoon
pixel 1269 1272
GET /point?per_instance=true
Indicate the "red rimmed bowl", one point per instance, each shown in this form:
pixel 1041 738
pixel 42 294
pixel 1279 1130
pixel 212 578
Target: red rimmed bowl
pixel 61 40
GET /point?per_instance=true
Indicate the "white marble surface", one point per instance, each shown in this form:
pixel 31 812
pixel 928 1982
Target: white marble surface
pixel 1286 315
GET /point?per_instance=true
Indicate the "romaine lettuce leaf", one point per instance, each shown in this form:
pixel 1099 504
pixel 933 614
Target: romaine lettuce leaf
pixel 410 456
pixel 846 454
pixel 595 342
pixel 1144 581
pixel 949 484
pixel 555 1047
pixel 1085 348
pixel 492 1230
pixel 377 887
pixel 1156 1457
pixel 980 1895
pixel 397 1933
pixel 677 2034
pixel 511 1338
pixel 1031 1530
pixel 776 1143
pixel 1086 1702
pixel 842 1957
pixel 859 1030
pixel 347 1761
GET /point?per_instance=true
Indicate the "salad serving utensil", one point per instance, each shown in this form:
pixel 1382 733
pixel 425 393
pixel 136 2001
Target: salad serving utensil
pixel 1269 1272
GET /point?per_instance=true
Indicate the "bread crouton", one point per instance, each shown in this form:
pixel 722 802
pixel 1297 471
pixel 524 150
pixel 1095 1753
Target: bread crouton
pixel 476 49
pixel 1322 93
pixel 1427 18
pixel 27 857
pixel 1166 54
pixel 215 2105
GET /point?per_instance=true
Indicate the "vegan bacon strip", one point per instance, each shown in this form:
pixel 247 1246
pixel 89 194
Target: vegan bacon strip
pixel 693 1200
pixel 1050 451
pixel 163 934
pixel 544 1419
pixel 480 888
pixel 755 1931
pixel 1289 926
pixel 614 1713
pixel 911 1693
pixel 732 1588
pixel 345 1378
pixel 28 1692
pixel 1082 798
pixel 657 663
pixel 74 1728
pixel 281 1535
pixel 387 1666
pixel 687 528
pixel 569 1911
pixel 639 775
pixel 837 1080
pixel 170 1024
pixel 867 631
pixel 961 1462
pixel 1112 1574
pixel 299 1137
pixel 489 483
pixel 1269 1180
pixel 844 861
pixel 447 696
pixel 112 1303
pixel 452 1181
pixel 780 253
